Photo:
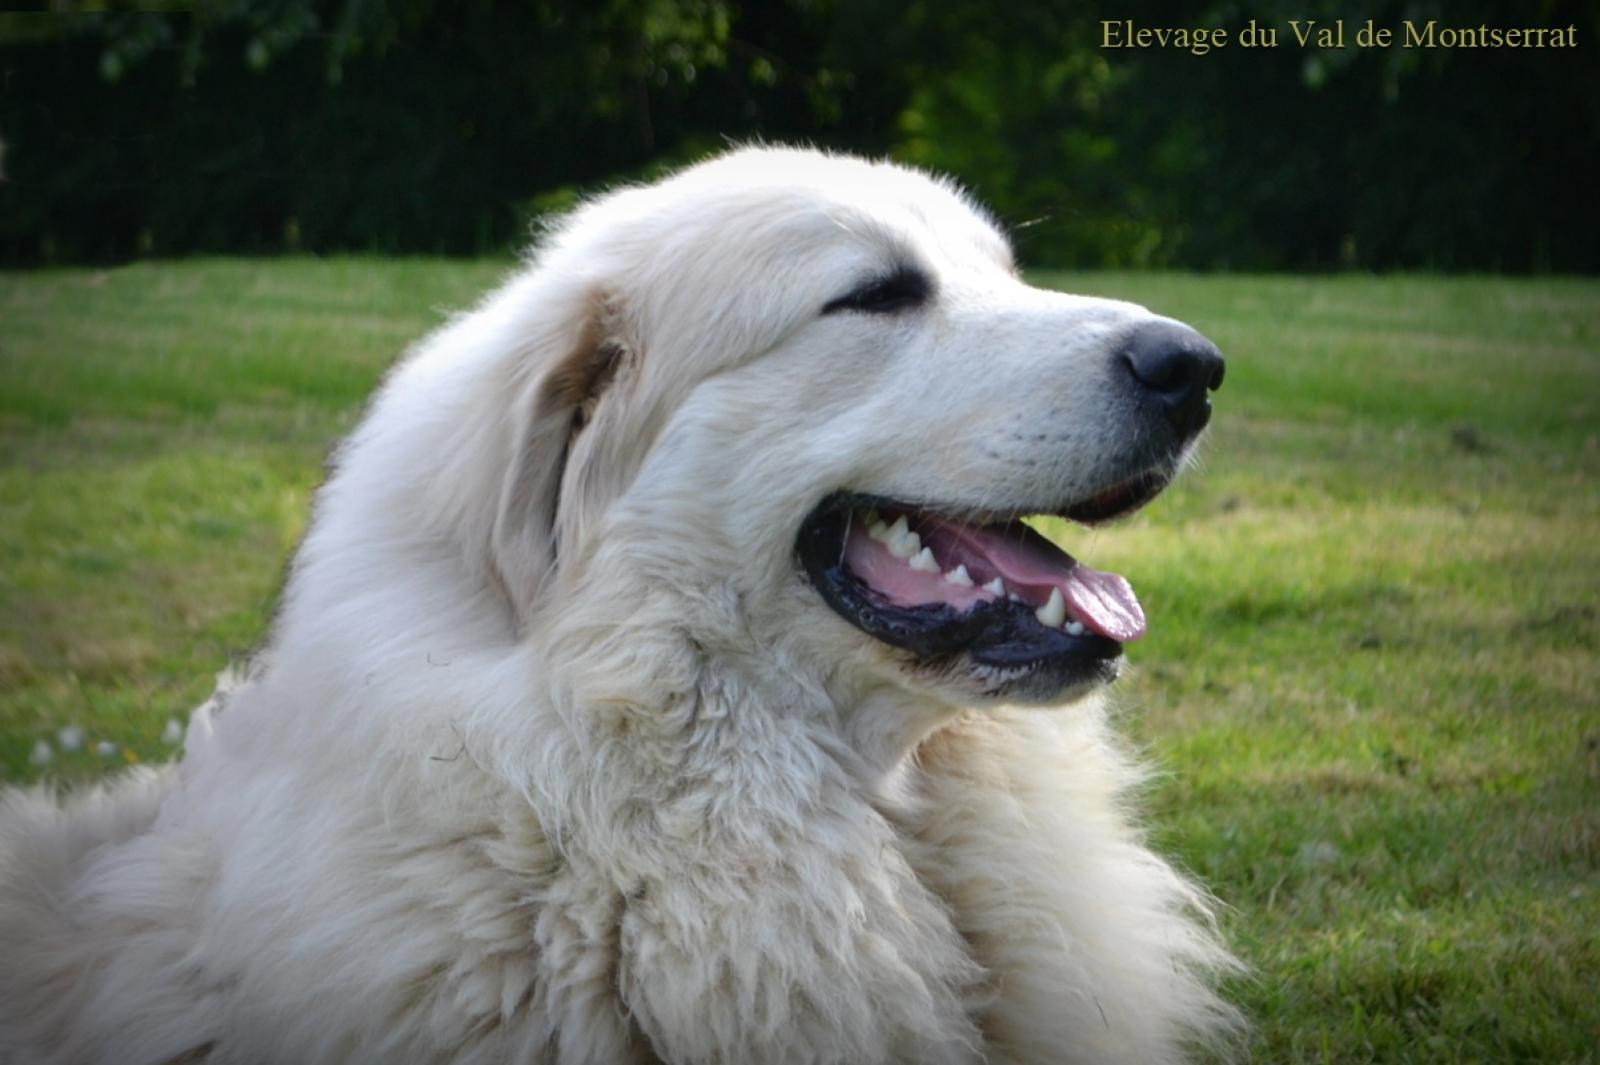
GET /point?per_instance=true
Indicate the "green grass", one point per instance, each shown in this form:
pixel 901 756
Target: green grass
pixel 1370 681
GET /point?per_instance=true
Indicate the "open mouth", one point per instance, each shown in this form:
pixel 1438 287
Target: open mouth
pixel 943 583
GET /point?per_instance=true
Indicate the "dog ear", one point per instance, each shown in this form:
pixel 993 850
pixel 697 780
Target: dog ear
pixel 563 388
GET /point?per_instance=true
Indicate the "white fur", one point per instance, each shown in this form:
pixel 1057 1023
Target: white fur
pixel 564 761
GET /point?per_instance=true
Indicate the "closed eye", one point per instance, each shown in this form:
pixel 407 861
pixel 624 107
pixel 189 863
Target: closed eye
pixel 906 287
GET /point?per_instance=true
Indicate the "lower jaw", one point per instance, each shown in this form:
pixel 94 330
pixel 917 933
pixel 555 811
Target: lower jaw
pixel 1043 685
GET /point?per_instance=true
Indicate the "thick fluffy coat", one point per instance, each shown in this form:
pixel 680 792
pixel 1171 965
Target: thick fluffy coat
pixel 554 755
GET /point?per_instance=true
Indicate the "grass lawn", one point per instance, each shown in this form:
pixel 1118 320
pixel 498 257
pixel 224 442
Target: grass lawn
pixel 1370 681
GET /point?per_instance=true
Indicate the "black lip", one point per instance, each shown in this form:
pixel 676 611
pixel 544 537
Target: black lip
pixel 1002 635
pixel 1120 499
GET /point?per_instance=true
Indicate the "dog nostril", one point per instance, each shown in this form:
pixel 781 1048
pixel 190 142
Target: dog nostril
pixel 1175 367
pixel 1170 357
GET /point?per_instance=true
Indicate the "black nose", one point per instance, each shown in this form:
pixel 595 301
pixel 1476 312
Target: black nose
pixel 1174 367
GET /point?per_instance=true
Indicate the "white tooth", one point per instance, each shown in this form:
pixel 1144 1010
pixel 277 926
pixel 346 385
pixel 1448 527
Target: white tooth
pixel 960 576
pixel 1015 598
pixel 904 546
pixel 924 561
pixel 997 586
pixel 1054 612
pixel 900 540
pixel 1074 628
pixel 878 531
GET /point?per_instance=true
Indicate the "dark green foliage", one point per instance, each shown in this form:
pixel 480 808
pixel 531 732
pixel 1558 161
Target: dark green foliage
pixel 388 126
pixel 417 125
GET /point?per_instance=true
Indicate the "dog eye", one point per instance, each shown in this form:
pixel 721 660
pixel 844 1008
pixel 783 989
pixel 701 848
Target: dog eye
pixel 903 289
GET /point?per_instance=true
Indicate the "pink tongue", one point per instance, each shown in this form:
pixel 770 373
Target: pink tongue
pixel 1032 565
pixel 1105 602
pixel 1029 564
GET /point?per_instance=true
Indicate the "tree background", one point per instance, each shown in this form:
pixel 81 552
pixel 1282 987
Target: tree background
pixel 427 126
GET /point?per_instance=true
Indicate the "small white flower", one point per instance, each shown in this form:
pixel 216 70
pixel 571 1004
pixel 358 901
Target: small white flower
pixel 42 753
pixel 105 748
pixel 173 733
pixel 70 738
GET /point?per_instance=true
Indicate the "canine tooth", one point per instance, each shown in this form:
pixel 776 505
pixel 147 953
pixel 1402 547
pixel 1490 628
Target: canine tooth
pixel 904 546
pixel 900 540
pixel 1074 628
pixel 997 586
pixel 925 561
pixel 960 576
pixel 1054 612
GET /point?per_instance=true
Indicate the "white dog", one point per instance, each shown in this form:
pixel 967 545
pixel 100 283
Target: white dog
pixel 656 683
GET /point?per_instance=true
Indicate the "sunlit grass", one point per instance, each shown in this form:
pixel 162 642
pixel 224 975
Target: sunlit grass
pixel 1372 665
pixel 1370 677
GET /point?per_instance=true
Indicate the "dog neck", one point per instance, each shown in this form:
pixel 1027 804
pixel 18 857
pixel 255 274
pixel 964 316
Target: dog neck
pixel 702 688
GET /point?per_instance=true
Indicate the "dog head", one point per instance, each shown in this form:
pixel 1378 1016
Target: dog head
pixel 807 400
